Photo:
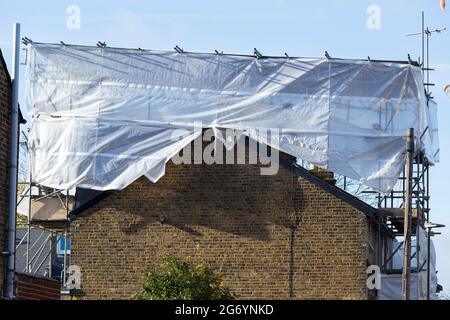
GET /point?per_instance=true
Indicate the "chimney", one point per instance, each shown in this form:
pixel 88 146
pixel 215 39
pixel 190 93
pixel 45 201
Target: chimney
pixel 323 174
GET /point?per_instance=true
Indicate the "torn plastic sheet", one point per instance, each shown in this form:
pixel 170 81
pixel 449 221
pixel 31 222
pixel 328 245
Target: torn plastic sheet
pixel 102 117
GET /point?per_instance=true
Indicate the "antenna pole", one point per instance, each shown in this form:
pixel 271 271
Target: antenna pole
pixel 423 44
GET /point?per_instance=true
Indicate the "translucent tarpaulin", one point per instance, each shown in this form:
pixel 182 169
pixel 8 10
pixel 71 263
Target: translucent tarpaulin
pixel 103 117
pixel 391 287
pixel 391 284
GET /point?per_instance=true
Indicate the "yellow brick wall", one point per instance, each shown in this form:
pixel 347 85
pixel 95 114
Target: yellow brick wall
pixel 275 237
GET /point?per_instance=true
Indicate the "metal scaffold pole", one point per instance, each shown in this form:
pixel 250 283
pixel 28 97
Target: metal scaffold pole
pixel 14 144
pixel 30 195
pixel 65 243
pixel 408 215
pixel 428 261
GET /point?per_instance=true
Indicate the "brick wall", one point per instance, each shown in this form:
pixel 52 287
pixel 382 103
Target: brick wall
pixel 5 93
pixel 275 237
pixel 33 287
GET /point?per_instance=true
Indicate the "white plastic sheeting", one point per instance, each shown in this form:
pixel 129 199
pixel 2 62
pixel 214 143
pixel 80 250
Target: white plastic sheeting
pixel 103 117
pixel 391 287
pixel 391 284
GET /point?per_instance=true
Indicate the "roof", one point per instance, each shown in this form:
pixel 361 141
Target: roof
pixel 38 239
pixel 8 76
pixel 85 198
pixel 38 243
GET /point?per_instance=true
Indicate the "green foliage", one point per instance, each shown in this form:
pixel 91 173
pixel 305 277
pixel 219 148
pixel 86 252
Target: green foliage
pixel 22 218
pixel 181 280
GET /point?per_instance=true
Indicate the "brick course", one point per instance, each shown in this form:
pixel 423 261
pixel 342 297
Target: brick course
pixel 5 96
pixel 274 237
pixel 32 287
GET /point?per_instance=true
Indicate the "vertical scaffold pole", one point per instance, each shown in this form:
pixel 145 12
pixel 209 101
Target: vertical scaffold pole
pixel 428 261
pixel 30 196
pixel 14 145
pixel 407 215
pixel 65 242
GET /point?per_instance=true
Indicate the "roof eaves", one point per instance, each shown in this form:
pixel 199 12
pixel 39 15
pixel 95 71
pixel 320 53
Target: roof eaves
pixel 88 204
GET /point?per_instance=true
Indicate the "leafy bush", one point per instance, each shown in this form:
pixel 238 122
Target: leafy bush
pixel 181 280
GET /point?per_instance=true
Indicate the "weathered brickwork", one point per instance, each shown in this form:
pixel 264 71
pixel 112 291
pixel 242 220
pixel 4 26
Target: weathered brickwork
pixel 274 237
pixel 33 287
pixel 5 95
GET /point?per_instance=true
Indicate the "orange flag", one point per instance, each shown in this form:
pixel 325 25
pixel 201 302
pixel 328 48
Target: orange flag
pixel 443 5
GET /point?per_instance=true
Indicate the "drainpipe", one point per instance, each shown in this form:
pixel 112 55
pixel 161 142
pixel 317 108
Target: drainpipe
pixel 14 142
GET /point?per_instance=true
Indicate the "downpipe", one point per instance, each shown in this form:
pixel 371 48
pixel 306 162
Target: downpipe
pixel 14 144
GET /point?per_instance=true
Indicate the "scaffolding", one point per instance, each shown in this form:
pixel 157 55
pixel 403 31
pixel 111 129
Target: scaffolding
pixel 57 231
pixel 35 198
pixel 390 206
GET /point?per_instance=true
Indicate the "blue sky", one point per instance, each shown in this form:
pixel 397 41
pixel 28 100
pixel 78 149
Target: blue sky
pixel 302 28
